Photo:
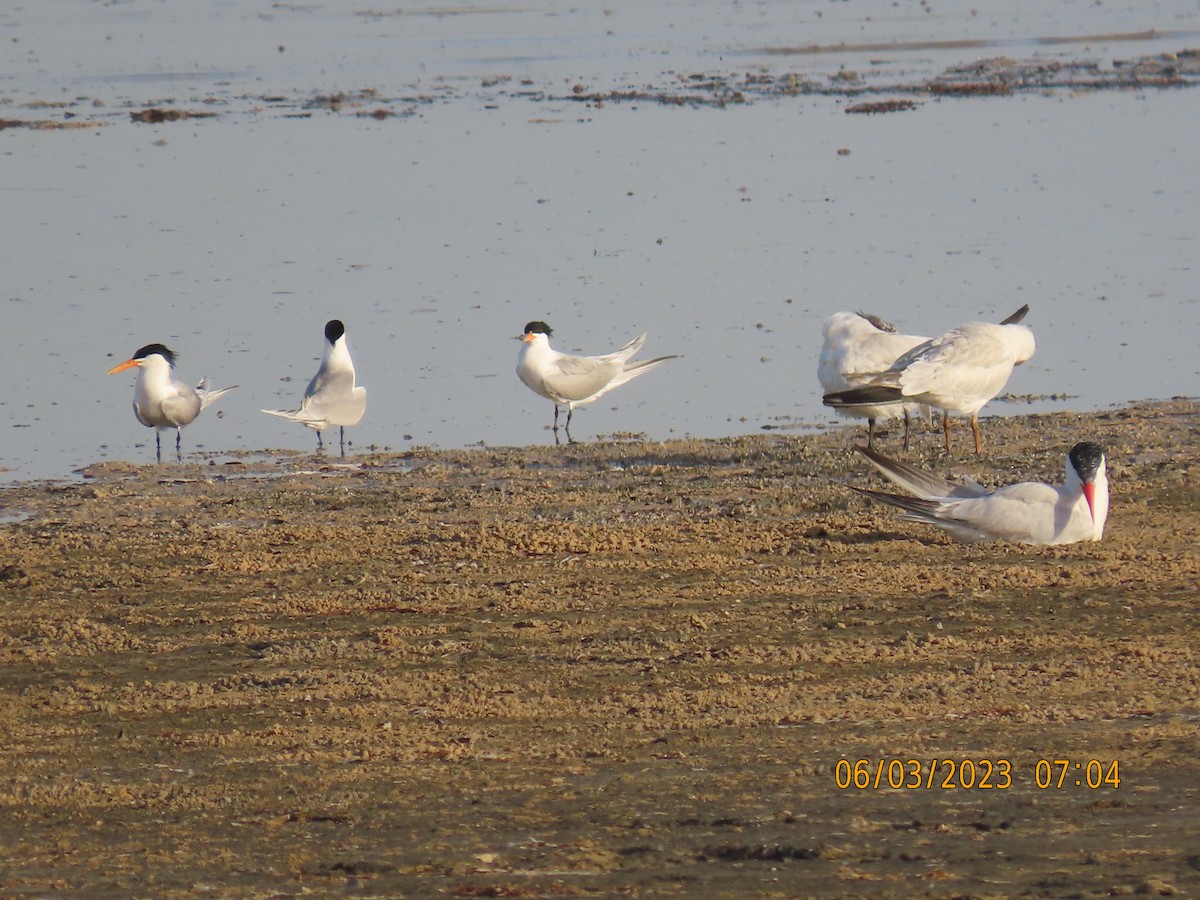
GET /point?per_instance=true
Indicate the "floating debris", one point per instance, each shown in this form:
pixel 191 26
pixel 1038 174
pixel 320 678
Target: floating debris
pixel 999 76
pixel 48 124
pixel 881 106
pixel 154 115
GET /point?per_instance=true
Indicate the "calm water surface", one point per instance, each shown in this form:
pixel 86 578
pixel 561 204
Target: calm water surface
pixel 727 234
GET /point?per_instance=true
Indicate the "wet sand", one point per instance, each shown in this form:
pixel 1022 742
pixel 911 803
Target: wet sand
pixel 619 668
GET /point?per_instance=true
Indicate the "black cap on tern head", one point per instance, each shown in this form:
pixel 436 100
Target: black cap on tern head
pixel 538 328
pixel 1086 459
pixel 151 349
pixel 334 329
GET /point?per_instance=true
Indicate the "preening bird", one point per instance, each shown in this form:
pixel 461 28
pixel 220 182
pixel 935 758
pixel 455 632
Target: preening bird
pixel 332 397
pixel 958 371
pixel 575 380
pixel 159 401
pixel 1024 513
pixel 858 343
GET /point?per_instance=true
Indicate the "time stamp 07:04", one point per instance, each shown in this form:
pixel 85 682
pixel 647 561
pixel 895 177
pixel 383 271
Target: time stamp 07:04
pixel 974 774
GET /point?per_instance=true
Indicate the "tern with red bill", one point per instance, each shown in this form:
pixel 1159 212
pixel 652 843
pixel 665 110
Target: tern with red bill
pixel 161 402
pixel 1024 513
pixel 575 380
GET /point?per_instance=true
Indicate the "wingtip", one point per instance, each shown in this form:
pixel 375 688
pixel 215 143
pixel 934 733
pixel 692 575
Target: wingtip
pixel 873 455
pixel 867 395
pixel 1017 316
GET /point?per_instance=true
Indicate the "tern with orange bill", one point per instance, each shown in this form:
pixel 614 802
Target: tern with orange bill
pixel 575 380
pixel 160 401
pixel 1024 513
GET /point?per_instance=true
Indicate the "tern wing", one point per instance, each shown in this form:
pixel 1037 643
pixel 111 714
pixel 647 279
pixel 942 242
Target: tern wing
pixel 920 482
pixel 930 512
pixel 1017 316
pixel 208 397
pixel 579 378
pixel 1026 513
pixel 333 397
pixel 958 364
pixel 298 415
pixel 181 407
pixel 625 352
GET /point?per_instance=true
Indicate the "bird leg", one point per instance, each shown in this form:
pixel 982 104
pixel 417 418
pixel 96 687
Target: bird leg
pixel 157 445
pixel 554 427
pixel 342 439
pixel 870 433
pixel 320 443
pixel 178 441
pixel 975 430
pixel 906 424
pixel 570 412
pixel 946 428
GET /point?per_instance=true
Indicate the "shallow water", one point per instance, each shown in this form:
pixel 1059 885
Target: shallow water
pixel 482 202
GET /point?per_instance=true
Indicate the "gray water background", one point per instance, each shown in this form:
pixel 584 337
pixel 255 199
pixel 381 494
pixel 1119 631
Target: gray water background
pixel 728 234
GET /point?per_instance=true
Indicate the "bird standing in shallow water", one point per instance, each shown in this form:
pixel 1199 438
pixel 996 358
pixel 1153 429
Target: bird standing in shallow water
pixel 159 401
pixel 958 371
pixel 575 380
pixel 1025 513
pixel 856 343
pixel 332 397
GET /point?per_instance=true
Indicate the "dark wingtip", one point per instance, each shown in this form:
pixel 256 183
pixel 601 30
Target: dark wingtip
pixel 863 396
pixel 161 349
pixel 334 329
pixel 1017 316
pixel 536 327
pixel 865 451
pixel 881 324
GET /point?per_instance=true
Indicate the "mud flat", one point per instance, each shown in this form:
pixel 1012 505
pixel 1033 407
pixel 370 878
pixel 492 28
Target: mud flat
pixel 622 668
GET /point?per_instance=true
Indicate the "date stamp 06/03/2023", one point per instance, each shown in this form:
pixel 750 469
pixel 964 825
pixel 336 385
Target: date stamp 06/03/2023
pixel 975 774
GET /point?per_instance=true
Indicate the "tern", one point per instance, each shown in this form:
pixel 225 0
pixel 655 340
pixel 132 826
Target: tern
pixel 958 371
pixel 332 397
pixel 855 343
pixel 575 380
pixel 1025 513
pixel 159 401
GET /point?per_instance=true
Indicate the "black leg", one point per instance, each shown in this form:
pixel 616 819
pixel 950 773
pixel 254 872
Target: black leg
pixel 554 427
pixel 157 445
pixel 342 439
pixel 906 425
pixel 320 445
pixel 870 433
pixel 178 442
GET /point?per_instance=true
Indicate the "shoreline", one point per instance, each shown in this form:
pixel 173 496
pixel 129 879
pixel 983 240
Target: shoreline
pixel 599 669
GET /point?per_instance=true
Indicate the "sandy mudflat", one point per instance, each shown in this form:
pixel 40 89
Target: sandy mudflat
pixel 607 669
